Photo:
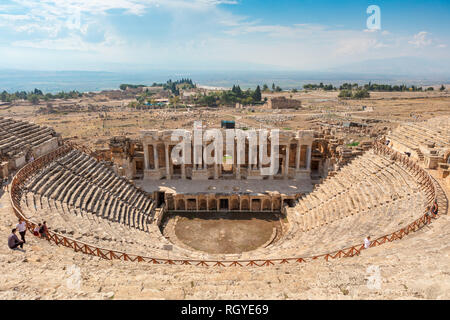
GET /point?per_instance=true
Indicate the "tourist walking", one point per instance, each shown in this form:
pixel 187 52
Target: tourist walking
pixel 43 230
pixel 22 227
pixel 13 241
pixel 428 213
pixel 435 208
pixel 36 230
pixel 367 242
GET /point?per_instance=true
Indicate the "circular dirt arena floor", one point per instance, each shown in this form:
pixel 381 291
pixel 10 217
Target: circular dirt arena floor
pixel 229 232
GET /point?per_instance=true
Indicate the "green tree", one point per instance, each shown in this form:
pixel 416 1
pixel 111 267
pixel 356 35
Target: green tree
pixel 442 88
pixel 34 99
pixel 210 100
pixel 361 94
pixel 237 91
pixel 257 94
pixel 345 94
pixel 265 88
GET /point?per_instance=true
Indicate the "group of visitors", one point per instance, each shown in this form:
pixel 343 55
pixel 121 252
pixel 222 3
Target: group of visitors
pixel 41 230
pixel 14 242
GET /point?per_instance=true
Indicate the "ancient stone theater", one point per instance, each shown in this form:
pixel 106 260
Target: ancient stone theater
pixel 135 202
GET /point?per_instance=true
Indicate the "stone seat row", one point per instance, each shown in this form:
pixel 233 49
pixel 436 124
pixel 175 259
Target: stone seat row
pixel 377 192
pixel 88 228
pixel 352 229
pixel 16 135
pixel 77 165
pixel 413 135
pixel 373 180
pixel 430 134
pixel 92 187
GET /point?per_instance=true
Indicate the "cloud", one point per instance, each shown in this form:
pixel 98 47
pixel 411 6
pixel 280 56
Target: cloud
pixel 180 33
pixel 56 22
pixel 358 46
pixel 420 40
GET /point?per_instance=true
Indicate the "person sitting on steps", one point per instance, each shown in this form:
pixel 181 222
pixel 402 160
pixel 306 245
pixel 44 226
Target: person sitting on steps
pixel 13 241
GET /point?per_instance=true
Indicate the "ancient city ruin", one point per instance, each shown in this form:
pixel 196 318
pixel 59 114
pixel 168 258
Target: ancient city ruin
pixel 137 187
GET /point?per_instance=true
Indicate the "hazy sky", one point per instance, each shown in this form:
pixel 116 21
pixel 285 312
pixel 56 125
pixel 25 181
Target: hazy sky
pixel 118 35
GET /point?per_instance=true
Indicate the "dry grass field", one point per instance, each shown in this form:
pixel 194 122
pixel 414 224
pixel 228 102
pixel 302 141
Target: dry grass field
pixel 95 128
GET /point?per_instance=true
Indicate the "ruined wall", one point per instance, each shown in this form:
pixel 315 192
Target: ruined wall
pixel 124 153
pixel 284 103
pixel 46 147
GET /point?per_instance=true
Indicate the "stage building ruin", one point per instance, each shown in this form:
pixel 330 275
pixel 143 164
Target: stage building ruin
pixel 295 151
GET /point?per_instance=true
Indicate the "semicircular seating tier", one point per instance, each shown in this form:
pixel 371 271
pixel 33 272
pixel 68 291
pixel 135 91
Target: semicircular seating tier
pixel 83 199
pixel 424 139
pixel 373 195
pixel 18 136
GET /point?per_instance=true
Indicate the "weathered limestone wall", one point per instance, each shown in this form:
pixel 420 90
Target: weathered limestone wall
pixel 18 162
pixel 228 202
pixel 284 103
pixel 46 147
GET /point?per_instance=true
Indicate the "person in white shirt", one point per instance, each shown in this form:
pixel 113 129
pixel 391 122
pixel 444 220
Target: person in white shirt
pixel 367 242
pixel 22 228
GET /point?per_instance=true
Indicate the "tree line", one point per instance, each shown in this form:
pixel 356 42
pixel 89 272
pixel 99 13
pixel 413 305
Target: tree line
pixel 173 86
pixel 313 86
pixel 275 88
pixel 369 87
pixel 231 97
pixel 36 95
pixel 383 87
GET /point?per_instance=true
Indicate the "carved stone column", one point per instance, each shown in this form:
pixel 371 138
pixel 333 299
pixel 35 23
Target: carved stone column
pixel 146 157
pixel 156 156
pixel 297 158
pixel 308 158
pixel 166 147
pixel 286 160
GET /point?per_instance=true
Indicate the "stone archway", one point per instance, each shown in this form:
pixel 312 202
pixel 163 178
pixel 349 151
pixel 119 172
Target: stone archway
pixel 180 204
pixel 245 205
pixel 212 203
pixel 202 205
pixel 234 204
pixel 267 206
